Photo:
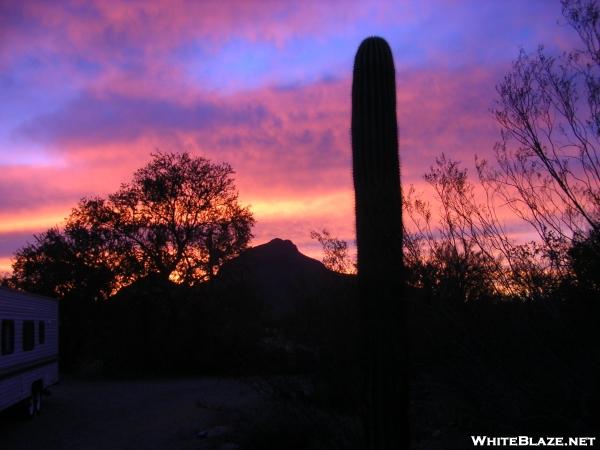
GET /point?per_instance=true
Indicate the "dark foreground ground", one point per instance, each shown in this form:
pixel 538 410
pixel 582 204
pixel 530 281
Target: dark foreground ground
pixel 233 413
pixel 173 414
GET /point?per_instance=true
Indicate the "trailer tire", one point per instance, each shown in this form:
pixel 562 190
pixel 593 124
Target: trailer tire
pixel 32 404
pixel 37 399
pixel 28 408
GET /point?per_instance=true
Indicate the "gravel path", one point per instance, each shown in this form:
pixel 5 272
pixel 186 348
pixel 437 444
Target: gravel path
pixel 143 415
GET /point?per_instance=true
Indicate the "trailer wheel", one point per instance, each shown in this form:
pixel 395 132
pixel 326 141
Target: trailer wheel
pixel 28 407
pixel 33 404
pixel 37 399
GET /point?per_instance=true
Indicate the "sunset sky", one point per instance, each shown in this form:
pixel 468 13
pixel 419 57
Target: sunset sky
pixel 88 89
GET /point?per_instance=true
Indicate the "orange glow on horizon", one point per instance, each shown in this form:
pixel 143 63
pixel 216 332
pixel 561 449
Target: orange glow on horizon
pixel 338 204
pixel 31 222
pixel 5 266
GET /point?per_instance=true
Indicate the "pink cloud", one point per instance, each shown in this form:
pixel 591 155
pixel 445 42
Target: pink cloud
pixel 290 147
pixel 297 137
pixel 110 29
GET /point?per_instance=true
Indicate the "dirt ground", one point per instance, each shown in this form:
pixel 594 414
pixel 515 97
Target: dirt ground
pixel 169 414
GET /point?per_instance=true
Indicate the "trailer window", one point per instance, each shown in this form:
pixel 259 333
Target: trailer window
pixel 8 336
pixel 28 335
pixel 41 331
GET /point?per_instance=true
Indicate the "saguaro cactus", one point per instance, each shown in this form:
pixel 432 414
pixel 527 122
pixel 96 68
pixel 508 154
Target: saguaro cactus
pixel 379 240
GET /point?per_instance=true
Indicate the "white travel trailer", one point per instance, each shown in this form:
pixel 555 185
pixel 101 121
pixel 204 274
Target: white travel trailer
pixel 28 348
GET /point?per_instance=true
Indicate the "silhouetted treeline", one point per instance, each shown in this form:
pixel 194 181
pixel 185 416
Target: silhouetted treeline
pixel 266 311
pixel 155 326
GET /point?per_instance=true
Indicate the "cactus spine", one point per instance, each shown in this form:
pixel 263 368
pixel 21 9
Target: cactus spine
pixel 379 239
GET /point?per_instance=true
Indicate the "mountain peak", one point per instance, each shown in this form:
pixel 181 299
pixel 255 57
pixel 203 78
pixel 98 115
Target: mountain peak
pixel 278 274
pixel 280 245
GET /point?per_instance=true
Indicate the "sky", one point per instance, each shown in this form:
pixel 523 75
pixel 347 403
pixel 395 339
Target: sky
pixel 89 89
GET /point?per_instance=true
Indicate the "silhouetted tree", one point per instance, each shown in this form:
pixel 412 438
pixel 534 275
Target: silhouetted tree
pixel 59 263
pixel 465 245
pixel 179 218
pixel 585 261
pixel 335 252
pixel 549 157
